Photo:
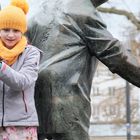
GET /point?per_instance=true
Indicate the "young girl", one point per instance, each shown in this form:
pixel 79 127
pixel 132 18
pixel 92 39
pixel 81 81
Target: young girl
pixel 18 73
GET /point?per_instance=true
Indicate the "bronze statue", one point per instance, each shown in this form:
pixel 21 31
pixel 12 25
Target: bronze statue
pixel 73 38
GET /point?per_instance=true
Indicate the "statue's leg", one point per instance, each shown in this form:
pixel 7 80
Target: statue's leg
pixel 41 137
pixel 73 135
pixel 43 105
pixel 71 117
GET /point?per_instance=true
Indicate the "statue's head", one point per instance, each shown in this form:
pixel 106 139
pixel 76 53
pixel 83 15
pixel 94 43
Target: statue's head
pixel 97 3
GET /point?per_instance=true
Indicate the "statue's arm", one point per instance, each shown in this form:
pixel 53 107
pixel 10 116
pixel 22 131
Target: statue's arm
pixel 110 51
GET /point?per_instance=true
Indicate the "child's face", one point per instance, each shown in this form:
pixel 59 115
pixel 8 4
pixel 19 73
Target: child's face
pixel 10 37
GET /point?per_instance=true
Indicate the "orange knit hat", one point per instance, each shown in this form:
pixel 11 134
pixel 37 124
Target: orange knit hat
pixel 14 15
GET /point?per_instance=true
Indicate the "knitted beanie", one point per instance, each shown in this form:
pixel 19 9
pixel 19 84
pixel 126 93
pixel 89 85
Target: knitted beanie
pixel 14 15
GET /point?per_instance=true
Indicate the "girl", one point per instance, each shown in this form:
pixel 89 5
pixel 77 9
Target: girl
pixel 18 73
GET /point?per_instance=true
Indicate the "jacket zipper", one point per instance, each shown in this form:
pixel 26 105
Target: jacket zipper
pixel 23 96
pixel 3 106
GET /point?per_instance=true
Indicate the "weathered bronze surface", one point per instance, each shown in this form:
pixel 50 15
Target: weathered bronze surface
pixel 73 38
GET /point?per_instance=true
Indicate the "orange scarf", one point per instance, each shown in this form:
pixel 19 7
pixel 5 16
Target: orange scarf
pixel 11 55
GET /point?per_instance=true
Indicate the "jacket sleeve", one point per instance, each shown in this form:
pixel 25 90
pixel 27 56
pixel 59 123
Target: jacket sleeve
pixel 26 76
pixel 112 53
pixel 86 22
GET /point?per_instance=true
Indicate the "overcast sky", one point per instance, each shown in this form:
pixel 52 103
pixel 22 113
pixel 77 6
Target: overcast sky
pixel 119 25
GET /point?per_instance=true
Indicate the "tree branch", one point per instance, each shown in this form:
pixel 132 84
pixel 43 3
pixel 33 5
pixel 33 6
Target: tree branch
pixel 130 16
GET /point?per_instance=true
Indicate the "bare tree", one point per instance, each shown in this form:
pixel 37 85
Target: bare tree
pixel 129 15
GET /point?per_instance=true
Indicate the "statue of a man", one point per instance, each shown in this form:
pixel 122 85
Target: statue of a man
pixel 73 38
